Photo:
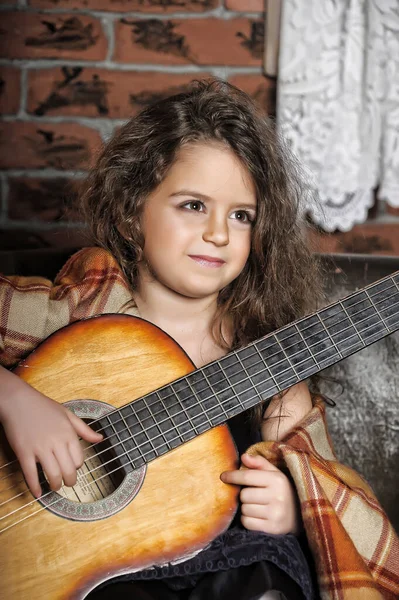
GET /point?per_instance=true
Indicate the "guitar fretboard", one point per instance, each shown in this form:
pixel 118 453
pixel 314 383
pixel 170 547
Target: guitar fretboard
pixel 166 418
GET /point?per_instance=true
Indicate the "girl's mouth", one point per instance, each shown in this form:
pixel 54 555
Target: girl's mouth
pixel 207 261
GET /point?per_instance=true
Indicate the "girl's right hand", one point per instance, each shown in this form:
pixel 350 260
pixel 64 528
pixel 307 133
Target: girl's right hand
pixel 40 430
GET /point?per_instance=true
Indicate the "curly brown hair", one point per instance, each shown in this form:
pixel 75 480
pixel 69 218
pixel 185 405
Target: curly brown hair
pixel 280 281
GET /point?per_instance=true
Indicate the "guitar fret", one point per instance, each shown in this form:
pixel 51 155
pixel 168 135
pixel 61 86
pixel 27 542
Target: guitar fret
pixel 240 383
pixel 367 320
pixel 329 336
pixel 206 397
pixel 271 376
pixel 161 450
pixel 281 368
pixel 219 405
pixel 188 430
pixel 142 438
pixel 306 344
pixel 253 386
pixel 239 373
pixel 204 413
pixel 221 385
pixel 289 362
pixel 205 393
pixel 251 362
pixel 353 324
pixel 392 314
pixel 381 287
pixel 393 279
pixel 154 452
pixel 342 330
pixel 173 413
pixel 238 400
pixel 397 287
pixel 377 311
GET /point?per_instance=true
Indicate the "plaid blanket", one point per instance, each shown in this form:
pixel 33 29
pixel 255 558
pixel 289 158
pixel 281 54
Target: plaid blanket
pixel 32 308
pixel 354 546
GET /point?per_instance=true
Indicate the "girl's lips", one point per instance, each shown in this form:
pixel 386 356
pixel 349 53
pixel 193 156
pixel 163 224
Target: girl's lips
pixel 207 261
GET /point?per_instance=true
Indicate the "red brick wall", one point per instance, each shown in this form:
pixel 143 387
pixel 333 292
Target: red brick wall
pixel 72 70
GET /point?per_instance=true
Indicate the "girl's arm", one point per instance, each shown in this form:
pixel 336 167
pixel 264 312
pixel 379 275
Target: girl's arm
pixel 40 430
pixel 269 499
pixel 285 412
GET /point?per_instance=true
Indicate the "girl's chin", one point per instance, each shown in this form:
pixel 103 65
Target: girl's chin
pixel 197 293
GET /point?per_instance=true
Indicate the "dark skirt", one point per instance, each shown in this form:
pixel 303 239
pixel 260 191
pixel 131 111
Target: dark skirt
pixel 238 564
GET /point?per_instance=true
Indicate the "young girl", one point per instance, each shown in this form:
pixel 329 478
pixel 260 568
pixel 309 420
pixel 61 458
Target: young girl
pixel 195 209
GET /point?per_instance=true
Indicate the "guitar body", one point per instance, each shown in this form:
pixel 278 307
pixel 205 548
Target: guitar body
pixel 179 505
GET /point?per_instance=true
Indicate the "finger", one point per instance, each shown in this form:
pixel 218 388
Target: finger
pixel 249 477
pixel 257 511
pixel 252 495
pixel 66 464
pixel 29 469
pixel 257 462
pixel 254 524
pixel 76 452
pixel 83 430
pixel 52 470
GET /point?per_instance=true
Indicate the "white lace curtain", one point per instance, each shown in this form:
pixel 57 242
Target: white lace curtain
pixel 338 102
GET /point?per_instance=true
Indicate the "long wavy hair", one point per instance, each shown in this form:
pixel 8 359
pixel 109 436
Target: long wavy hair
pixel 280 281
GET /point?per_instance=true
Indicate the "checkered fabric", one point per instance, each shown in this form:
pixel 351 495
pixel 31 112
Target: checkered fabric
pixel 354 546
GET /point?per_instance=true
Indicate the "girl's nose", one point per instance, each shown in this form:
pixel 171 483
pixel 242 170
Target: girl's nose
pixel 216 231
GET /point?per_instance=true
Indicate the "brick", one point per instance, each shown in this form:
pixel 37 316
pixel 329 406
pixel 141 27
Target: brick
pixel 391 210
pixel 49 199
pixel 261 89
pixel 10 91
pixel 375 238
pixel 245 5
pixel 58 36
pixel 33 238
pixel 43 145
pixel 235 42
pixel 147 6
pixel 93 92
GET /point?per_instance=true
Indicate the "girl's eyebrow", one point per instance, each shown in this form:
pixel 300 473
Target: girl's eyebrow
pixel 191 193
pixel 209 198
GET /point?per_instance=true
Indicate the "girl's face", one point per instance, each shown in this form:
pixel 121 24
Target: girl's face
pixel 197 224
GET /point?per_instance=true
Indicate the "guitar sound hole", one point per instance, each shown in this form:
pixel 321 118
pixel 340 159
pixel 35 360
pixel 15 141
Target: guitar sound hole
pixel 100 475
pixel 107 482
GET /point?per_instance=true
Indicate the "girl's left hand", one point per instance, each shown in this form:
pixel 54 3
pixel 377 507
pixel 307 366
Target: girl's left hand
pixel 269 501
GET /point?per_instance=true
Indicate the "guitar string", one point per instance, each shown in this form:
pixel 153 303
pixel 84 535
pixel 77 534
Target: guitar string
pixel 108 462
pixel 373 305
pixel 121 442
pixel 254 374
pixel 55 502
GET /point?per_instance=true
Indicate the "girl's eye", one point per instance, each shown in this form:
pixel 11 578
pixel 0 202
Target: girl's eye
pixel 195 205
pixel 243 216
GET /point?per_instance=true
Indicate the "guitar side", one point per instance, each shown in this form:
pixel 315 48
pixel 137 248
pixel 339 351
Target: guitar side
pixel 182 504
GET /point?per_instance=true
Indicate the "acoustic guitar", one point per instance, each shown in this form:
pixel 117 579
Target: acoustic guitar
pixel 150 492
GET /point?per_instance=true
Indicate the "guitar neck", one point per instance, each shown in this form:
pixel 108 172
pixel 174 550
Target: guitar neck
pixel 166 418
